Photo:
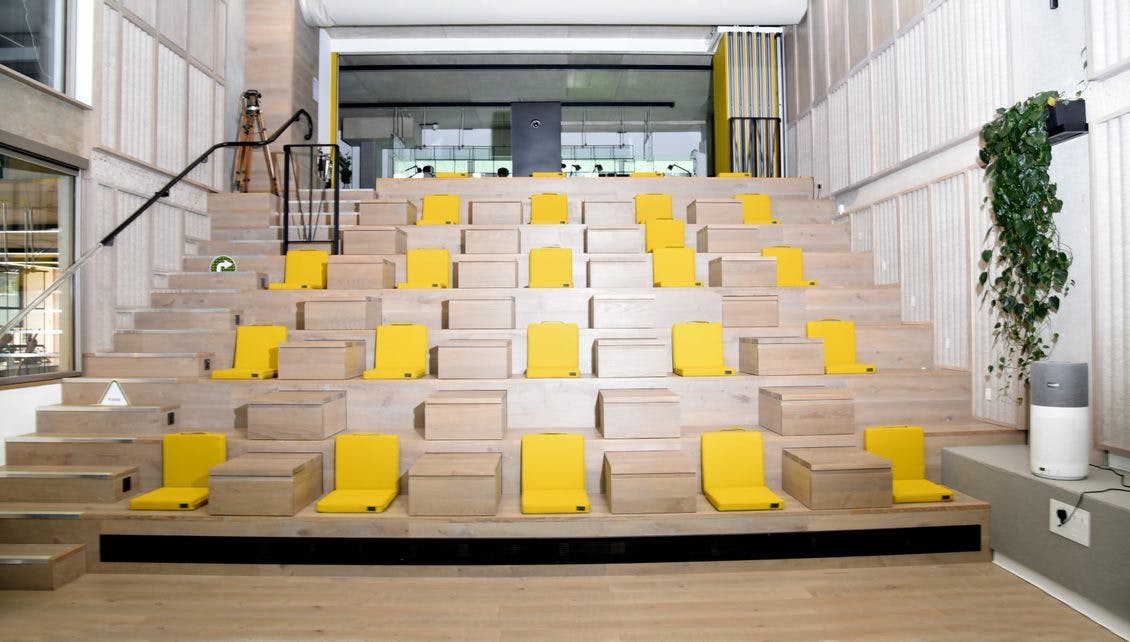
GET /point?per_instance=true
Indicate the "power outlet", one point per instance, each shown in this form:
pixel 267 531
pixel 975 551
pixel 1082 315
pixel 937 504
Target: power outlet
pixel 1076 529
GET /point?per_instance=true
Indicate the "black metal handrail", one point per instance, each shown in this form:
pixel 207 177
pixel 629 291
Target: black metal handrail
pixel 108 240
pixel 323 171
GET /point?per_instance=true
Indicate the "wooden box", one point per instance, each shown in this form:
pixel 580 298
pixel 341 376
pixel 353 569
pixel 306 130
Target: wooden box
pixel 623 272
pixel 714 211
pixel 278 484
pixel 496 212
pixel 484 272
pixel 345 314
pixel 465 414
pixel 806 410
pixel 836 477
pixel 743 272
pixel 473 359
pixel 662 481
pixel 622 311
pixel 479 314
pixel 386 213
pixel 373 240
pixel 455 484
pixel 608 213
pixel 358 272
pixel 296 414
pixel 640 357
pixel 729 239
pixel 638 413
pixel 491 240
pixel 69 483
pixel 321 359
pixel 757 311
pixel 40 567
pixel 614 239
pixel 781 355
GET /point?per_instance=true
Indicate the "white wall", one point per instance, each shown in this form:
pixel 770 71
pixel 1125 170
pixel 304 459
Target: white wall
pixel 19 408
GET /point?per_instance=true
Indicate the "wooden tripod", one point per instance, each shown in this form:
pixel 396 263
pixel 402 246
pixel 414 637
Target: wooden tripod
pixel 252 128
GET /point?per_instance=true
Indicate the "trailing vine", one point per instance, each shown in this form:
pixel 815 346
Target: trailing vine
pixel 1029 262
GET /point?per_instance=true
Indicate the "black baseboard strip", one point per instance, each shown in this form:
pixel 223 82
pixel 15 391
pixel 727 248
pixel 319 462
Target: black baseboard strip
pixel 189 549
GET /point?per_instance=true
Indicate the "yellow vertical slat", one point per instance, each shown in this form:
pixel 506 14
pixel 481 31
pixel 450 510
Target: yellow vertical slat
pixel 333 97
pixel 721 70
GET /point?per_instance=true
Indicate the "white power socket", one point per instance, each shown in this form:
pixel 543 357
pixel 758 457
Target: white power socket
pixel 1076 529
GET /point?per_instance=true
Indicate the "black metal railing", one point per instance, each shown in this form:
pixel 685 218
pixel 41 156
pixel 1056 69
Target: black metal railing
pixel 312 170
pixel 66 275
pixel 755 146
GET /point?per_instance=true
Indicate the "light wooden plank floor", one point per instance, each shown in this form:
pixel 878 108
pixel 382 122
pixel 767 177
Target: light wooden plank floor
pixel 676 602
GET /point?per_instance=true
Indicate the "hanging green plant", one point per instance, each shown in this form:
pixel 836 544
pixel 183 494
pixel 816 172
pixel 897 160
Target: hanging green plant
pixel 1029 262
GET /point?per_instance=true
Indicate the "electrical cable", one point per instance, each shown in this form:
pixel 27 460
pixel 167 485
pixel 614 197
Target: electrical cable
pixel 1079 502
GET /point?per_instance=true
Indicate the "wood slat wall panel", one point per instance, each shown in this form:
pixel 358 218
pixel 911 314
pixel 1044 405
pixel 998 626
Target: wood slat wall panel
pixel 914 255
pixel 951 267
pixel 912 93
pixel 859 112
pixel 838 152
pixel 884 112
pixel 885 229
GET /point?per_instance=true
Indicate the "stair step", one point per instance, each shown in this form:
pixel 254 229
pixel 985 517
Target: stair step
pixel 272 266
pixel 215 280
pixel 258 233
pixel 219 342
pixel 221 203
pixel 250 219
pixel 186 319
pixel 40 567
pixel 216 247
pixel 156 364
pixel 143 451
pixel 106 420
pixel 67 483
pixel 204 403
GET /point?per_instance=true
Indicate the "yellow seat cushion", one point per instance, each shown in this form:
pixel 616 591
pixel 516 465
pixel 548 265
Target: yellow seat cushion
pixel 305 270
pixel 555 501
pixel 911 491
pixel 849 368
pixel 426 268
pixel 905 446
pixel 756 209
pixel 549 208
pixel 551 267
pixel 649 206
pixel 839 346
pixel 256 353
pixel 704 371
pixel 244 373
pixel 744 498
pixel 664 232
pixel 673 267
pixel 401 352
pixel 553 473
pixel 171 498
pixel 440 209
pixel 552 350
pixel 697 350
pixel 346 500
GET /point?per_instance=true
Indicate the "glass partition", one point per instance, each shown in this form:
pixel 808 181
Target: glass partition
pixel 33 37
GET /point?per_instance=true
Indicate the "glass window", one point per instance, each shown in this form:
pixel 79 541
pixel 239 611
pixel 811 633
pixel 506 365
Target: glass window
pixel 33 39
pixel 36 215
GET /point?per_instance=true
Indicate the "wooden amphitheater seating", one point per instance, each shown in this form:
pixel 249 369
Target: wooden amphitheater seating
pixel 366 474
pixel 427 268
pixel 696 350
pixel 553 474
pixel 905 446
pixel 401 352
pixel 839 346
pixel 440 209
pixel 256 353
pixel 552 350
pixel 664 232
pixel 549 208
pixel 790 266
pixel 551 267
pixel 757 209
pixel 733 471
pixel 649 206
pixel 673 267
pixel 40 567
pixel 305 270
pixel 186 458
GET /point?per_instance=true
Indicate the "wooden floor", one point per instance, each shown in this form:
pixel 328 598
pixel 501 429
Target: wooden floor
pixel 735 601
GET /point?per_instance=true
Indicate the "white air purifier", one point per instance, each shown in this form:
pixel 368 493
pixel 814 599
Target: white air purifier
pixel 1059 433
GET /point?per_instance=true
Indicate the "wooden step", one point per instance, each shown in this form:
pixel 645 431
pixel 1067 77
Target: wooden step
pixel 271 265
pixel 249 219
pixel 111 451
pixel 871 305
pixel 215 247
pixel 186 319
pixel 67 483
pixel 202 407
pixel 258 233
pixel 214 281
pixel 131 364
pixel 40 567
pixel 220 343
pixel 106 420
pixel 221 203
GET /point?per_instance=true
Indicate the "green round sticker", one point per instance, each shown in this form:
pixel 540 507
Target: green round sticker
pixel 222 263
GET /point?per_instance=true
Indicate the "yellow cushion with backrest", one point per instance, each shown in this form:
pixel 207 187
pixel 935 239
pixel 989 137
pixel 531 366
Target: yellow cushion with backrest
pixel 673 267
pixel 734 174
pixel 649 206
pixel 733 471
pixel 256 353
pixel 366 474
pixel 547 174
pixel 757 209
pixel 428 267
pixel 696 349
pixel 549 208
pixel 185 460
pixel 790 266
pixel 305 270
pixel 401 352
pixel 905 446
pixel 452 175
pixel 664 232
pixel 440 209
pixel 553 473
pixel 552 350
pixel 839 346
pixel 551 267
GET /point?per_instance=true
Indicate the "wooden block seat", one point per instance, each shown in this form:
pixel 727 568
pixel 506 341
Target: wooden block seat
pixel 618 213
pixel 486 272
pixel 834 477
pixel 729 239
pixel 492 239
pixel 147 364
pixel 750 311
pixel 806 410
pixel 256 353
pixel 733 471
pixel 386 212
pixel 273 484
pixel 630 357
pixel 650 481
pixel 377 239
pixel 321 359
pixel 366 474
pixel 553 474
pixel 638 413
pixel 362 313
pixel 479 314
pixel 484 212
pixel 296 414
pixel 769 356
pixel 619 272
pixel 622 311
pixel 473 359
pixel 743 272
pixel 40 567
pixel 360 272
pixel 455 484
pixel 186 459
pixel 465 414
pixel 74 483
pixel 905 447
pixel 95 419
pixel 697 350
pixel 714 210
pixel 305 269
pixel 614 239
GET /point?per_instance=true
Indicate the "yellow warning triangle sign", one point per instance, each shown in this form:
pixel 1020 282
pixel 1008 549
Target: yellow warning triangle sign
pixel 114 395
